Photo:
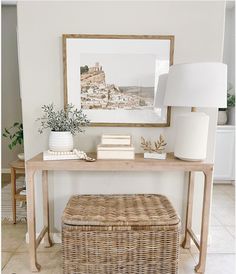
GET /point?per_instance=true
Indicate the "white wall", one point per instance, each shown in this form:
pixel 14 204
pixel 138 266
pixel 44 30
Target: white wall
pixel 11 103
pixel 198 37
pixel 229 43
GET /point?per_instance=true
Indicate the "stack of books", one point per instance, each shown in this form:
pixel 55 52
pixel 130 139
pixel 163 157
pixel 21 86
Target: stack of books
pixel 115 147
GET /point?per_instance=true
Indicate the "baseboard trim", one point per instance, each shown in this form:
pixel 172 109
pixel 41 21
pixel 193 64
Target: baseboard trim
pixel 223 180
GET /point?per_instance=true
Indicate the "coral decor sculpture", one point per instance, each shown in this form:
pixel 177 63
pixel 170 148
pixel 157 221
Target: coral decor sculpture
pixel 159 145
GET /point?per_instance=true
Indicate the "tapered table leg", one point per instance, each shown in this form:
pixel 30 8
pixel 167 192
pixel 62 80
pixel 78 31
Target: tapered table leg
pixel 47 240
pixel 188 222
pixel 200 267
pixel 13 188
pixel 35 267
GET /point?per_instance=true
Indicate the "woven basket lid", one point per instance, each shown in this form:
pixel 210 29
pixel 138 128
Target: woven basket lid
pixel 120 210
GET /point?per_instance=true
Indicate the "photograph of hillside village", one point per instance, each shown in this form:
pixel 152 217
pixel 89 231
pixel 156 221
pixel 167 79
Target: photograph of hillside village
pixel 96 93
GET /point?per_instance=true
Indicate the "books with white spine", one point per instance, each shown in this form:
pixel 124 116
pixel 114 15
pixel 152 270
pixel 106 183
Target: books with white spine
pixel 69 155
pixel 115 152
pixel 48 156
pixel 115 139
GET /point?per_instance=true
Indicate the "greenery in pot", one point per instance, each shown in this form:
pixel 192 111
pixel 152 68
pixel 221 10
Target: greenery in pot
pixel 15 134
pixel 69 119
pixel 230 97
pixel 230 101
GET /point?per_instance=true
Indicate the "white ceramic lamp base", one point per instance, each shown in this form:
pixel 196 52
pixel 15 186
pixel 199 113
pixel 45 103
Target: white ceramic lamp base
pixel 191 136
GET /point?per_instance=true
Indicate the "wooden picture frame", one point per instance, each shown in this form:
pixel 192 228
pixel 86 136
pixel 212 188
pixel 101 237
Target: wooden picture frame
pixel 72 43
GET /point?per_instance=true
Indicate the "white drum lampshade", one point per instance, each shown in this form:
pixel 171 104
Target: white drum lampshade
pixel 195 85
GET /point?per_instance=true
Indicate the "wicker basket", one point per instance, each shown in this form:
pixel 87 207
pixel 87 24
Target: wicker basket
pixel 120 234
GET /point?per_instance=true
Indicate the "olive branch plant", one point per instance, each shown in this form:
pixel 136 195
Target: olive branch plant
pixel 67 119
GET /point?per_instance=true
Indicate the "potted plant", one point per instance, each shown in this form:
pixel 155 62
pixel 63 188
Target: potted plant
pixel 222 113
pixel 63 124
pixel 231 109
pixel 16 137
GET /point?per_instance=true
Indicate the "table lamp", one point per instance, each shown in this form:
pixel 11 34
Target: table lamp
pixel 195 85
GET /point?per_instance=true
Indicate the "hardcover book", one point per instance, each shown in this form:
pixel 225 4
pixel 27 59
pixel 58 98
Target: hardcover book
pixel 48 156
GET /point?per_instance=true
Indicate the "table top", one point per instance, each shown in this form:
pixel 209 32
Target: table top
pixel 138 164
pixel 18 164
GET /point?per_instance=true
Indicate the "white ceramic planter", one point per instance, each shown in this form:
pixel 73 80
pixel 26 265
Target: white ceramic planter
pixel 21 156
pixel 61 141
pixel 222 117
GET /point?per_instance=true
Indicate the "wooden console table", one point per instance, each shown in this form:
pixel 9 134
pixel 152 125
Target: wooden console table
pixel 137 165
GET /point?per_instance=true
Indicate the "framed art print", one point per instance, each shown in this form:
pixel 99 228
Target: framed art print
pixel 114 78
